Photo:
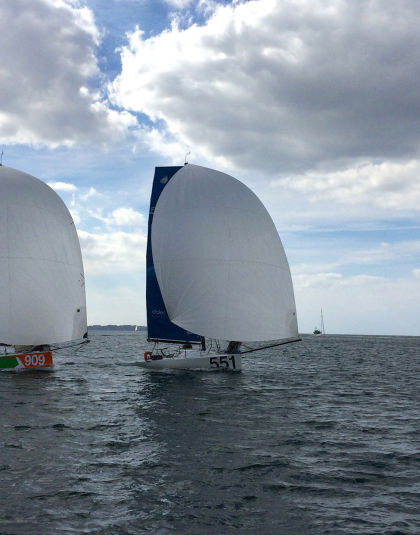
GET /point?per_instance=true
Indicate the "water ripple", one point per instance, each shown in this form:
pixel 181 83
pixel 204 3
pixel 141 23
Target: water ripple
pixel 320 437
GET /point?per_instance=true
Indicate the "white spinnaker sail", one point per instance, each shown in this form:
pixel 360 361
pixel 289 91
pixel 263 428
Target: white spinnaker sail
pixel 219 261
pixel 42 293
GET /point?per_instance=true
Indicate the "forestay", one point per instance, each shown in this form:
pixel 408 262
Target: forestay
pixel 42 289
pixel 219 261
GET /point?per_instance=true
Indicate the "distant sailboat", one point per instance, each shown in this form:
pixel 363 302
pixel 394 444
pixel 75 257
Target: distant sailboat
pixel 320 331
pixel 216 268
pixel 42 287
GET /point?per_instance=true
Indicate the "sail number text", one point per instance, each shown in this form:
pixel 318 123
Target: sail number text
pixel 223 362
pixel 35 360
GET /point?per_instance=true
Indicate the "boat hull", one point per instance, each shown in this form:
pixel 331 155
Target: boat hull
pixel 27 361
pixel 194 361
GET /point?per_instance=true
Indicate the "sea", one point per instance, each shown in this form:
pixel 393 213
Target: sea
pixel 316 437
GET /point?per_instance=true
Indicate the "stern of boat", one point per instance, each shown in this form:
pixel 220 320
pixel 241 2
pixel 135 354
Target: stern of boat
pixel 193 360
pixel 27 361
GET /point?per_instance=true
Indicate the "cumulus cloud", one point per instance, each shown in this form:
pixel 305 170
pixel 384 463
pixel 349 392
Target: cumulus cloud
pixel 112 252
pixel 92 192
pixel 178 3
pixel 123 216
pixel 127 216
pixel 393 186
pixel 283 85
pixel 48 64
pixel 62 186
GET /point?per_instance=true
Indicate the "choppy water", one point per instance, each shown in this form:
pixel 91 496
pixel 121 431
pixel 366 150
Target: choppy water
pixel 317 437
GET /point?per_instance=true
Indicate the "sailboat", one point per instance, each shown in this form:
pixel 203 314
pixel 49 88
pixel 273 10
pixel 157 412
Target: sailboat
pixel 216 273
pixel 42 287
pixel 320 331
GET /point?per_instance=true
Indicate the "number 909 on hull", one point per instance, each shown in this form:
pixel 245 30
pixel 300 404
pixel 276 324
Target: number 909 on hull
pixel 27 361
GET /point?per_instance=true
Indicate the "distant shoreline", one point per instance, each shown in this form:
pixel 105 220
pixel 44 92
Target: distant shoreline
pixel 117 327
pixel 143 328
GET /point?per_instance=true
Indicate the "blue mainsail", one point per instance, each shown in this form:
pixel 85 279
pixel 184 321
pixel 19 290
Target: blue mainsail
pixel 159 326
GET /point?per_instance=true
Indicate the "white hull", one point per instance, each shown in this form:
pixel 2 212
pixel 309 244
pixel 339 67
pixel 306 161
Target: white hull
pixel 194 360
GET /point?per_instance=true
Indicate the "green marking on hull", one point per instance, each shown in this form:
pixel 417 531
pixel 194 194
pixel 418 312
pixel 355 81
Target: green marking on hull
pixel 8 362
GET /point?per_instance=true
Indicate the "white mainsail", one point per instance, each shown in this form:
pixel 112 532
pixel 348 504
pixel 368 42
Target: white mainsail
pixel 42 290
pixel 219 261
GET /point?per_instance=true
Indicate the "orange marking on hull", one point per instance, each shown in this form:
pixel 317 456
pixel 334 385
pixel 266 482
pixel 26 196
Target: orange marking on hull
pixel 36 360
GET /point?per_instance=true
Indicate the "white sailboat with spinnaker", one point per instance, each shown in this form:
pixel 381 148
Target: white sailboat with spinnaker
pixel 216 270
pixel 42 286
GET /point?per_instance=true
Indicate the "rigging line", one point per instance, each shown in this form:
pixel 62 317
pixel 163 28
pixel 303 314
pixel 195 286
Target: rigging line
pixel 76 343
pixel 289 341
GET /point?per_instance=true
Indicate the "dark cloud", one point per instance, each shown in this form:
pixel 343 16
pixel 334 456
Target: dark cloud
pixel 285 85
pixel 48 62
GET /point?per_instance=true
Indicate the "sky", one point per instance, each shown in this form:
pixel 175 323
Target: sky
pixel 313 104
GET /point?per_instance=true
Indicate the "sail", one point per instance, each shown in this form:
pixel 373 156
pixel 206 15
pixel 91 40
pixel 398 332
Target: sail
pixel 42 289
pixel 159 326
pixel 219 261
